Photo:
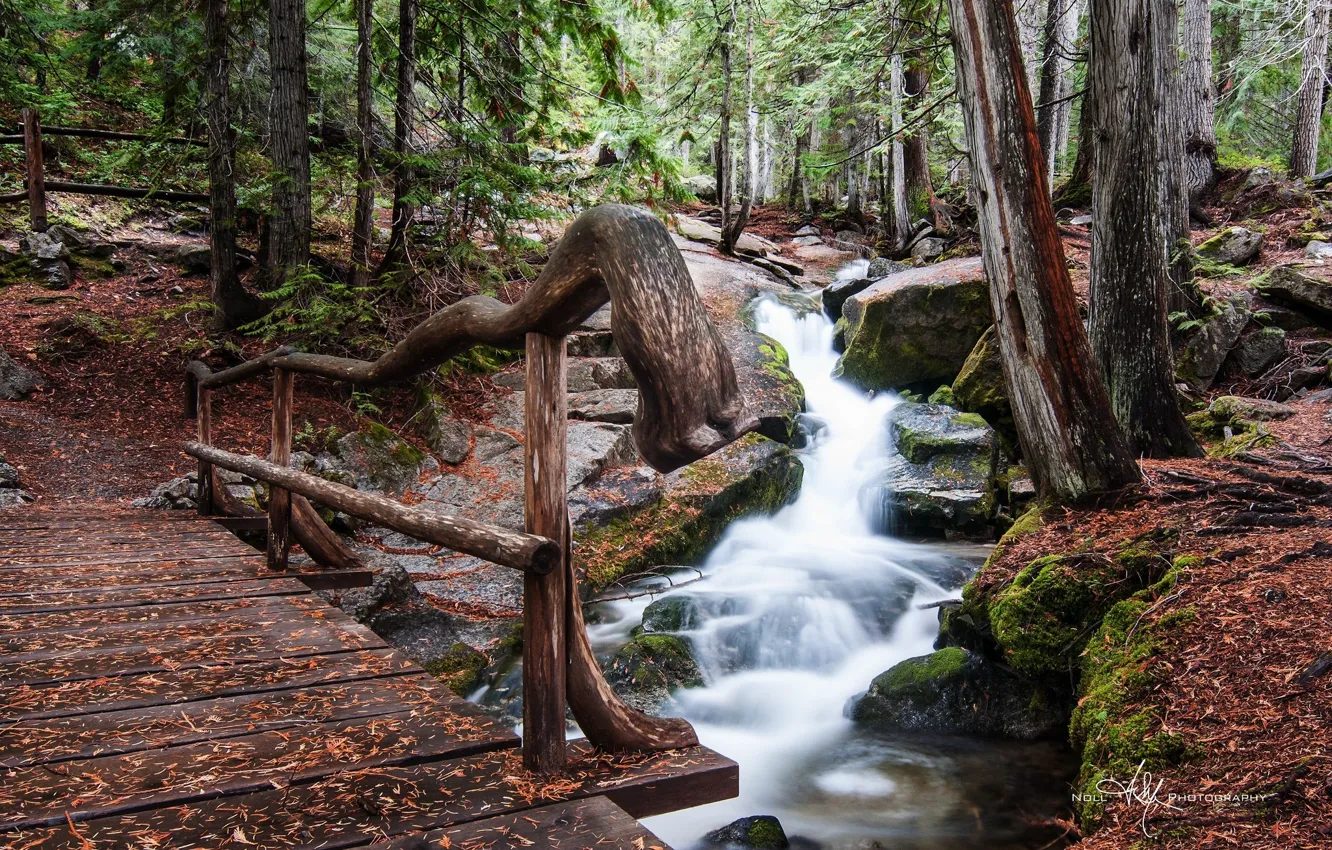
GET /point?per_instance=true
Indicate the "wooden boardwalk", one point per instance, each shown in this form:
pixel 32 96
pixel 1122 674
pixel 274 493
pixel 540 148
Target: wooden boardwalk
pixel 160 688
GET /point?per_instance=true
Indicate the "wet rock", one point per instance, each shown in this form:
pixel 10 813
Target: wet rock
pixel 1235 246
pixel 915 328
pixel 194 259
pixel 1207 346
pixel 836 293
pixel 460 668
pixel 1303 286
pixel 615 406
pixel 956 692
pixel 380 460
pixel 16 381
pixel 646 669
pixel 759 832
pixel 941 480
pixel 672 614
pixel 929 249
pixel 1258 351
pixel 980 387
pixel 881 267
pixel 703 187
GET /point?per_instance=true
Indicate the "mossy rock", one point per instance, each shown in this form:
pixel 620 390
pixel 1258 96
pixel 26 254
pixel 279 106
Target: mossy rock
pixel 981 388
pixel 696 504
pixel 671 614
pixel 646 669
pixel 760 832
pixel 380 459
pixel 460 668
pixel 956 692
pixel 915 329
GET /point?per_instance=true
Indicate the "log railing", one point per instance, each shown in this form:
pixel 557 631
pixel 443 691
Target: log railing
pixel 688 407
pixel 36 186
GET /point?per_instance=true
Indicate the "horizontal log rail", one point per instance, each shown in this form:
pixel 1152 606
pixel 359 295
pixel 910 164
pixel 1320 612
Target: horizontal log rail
pixel 125 192
pixel 115 135
pixel 515 549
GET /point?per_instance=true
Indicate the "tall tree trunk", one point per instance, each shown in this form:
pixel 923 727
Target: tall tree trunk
pixel 1198 98
pixel 233 305
pixel 734 228
pixel 364 221
pixel 1061 27
pixel 1076 190
pixel 1133 80
pixel 404 108
pixel 289 139
pixel 1313 77
pixel 1028 15
pixel 1064 108
pixel 901 211
pixel 921 201
pixel 725 188
pixel 1068 435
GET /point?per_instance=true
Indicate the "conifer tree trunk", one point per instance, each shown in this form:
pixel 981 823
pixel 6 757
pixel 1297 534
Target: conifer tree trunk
pixel 901 211
pixel 1061 22
pixel 1198 98
pixel 288 139
pixel 1065 426
pixel 233 305
pixel 1067 85
pixel 1313 79
pixel 364 221
pixel 1136 210
pixel 733 228
pixel 404 108
pixel 921 200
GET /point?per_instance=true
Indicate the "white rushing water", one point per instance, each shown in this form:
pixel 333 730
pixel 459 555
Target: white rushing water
pixel 797 613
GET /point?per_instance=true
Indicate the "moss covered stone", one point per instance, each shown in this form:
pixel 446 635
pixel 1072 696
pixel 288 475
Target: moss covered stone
pixel 915 329
pixel 380 459
pixel 671 614
pixel 761 832
pixel 460 668
pixel 695 505
pixel 981 388
pixel 646 669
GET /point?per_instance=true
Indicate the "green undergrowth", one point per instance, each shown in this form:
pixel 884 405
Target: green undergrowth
pixel 460 668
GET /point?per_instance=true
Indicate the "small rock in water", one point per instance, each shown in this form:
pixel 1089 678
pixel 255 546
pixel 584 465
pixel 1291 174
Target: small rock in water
pixel 759 832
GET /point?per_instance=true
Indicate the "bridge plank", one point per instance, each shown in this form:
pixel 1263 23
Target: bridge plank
pixel 221 678
pixel 132 730
pixel 16 632
pixel 592 824
pixel 356 808
pixel 104 598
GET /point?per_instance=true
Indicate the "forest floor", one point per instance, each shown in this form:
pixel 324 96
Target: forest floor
pixel 1241 680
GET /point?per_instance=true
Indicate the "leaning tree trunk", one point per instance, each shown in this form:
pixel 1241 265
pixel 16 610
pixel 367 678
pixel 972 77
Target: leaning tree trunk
pixel 1028 16
pixel 1068 434
pixel 1135 211
pixel 1198 98
pixel 233 305
pixel 289 139
pixel 364 220
pixel 403 112
pixel 1313 78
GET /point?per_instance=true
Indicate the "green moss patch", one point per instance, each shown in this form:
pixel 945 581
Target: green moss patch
pixel 460 668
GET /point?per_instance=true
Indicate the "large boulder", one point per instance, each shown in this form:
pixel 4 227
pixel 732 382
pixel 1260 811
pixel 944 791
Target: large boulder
pixel 49 259
pixel 380 460
pixel 703 187
pixel 956 692
pixel 16 381
pixel 980 387
pixel 836 293
pixel 1259 350
pixel 646 669
pixel 1210 343
pixel 1234 246
pixel 915 328
pixel 1303 286
pixel 940 481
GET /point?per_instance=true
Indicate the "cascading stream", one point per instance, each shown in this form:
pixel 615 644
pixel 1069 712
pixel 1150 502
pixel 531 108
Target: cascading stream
pixel 797 612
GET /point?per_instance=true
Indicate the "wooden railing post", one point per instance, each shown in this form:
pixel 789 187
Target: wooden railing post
pixel 547 513
pixel 32 148
pixel 279 500
pixel 204 415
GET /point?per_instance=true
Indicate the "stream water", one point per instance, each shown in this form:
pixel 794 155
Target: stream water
pixel 796 613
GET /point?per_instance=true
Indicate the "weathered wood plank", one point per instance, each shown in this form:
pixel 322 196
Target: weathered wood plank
pixel 357 808
pixel 191 684
pixel 108 785
pixel 71 577
pixel 297 640
pixel 591 824
pixel 158 553
pixel 99 598
pixel 76 629
pixel 60 739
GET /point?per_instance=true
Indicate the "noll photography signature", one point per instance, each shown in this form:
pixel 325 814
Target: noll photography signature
pixel 1147 791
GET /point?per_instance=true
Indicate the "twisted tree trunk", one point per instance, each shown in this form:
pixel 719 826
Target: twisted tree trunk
pixel 1137 215
pixel 1062 411
pixel 1313 78
pixel 289 140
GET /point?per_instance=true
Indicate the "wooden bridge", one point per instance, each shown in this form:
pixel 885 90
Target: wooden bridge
pixel 161 687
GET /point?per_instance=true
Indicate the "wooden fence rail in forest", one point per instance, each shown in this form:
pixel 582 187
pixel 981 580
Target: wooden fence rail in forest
pixel 689 406
pixel 36 186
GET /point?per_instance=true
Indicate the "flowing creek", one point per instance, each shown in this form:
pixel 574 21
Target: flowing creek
pixel 795 614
